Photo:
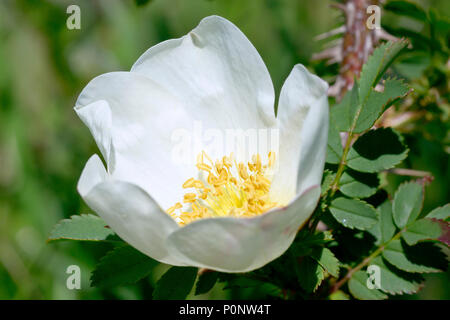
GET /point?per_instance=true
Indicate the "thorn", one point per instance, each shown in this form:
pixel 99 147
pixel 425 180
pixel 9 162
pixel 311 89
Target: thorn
pixel 330 33
pixel 338 6
pixel 330 53
pixel 384 35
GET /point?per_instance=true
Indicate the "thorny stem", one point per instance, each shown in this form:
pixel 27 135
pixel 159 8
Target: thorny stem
pixel 357 44
pixel 363 263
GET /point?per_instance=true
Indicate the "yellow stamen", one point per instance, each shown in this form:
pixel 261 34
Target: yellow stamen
pixel 230 189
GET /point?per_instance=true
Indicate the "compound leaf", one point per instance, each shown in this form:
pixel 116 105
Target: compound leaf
pixel 122 265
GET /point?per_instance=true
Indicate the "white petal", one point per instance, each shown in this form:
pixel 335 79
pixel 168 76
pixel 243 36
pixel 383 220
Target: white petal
pixel 217 71
pixel 97 117
pixel 133 119
pixel 303 116
pixel 93 173
pixel 129 211
pixel 242 244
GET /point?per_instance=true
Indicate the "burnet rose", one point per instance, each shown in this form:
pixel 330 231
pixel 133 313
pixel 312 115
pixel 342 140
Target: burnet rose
pixel 233 217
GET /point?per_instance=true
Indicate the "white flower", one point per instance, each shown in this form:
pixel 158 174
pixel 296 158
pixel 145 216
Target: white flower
pixel 215 75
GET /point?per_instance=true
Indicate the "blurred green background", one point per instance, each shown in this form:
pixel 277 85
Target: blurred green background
pixel 44 146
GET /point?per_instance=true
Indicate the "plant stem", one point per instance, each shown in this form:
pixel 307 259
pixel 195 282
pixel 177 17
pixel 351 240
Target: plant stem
pixel 342 164
pixel 363 263
pixel 409 172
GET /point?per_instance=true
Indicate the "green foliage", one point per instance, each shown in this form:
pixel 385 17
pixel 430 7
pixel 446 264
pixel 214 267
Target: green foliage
pixel 363 105
pixel 407 8
pixel 423 229
pixel 395 281
pixel 334 145
pixel 384 229
pixel 85 227
pixel 401 260
pixel 327 260
pixel 206 281
pixel 357 286
pixel 377 65
pixel 306 240
pixel 358 184
pixel 122 265
pixel 434 27
pixel 353 213
pixel 408 202
pixel 366 154
pixel 377 102
pixel 309 274
pixel 377 150
pixel 339 295
pixel 327 180
pixel 422 258
pixel 442 213
pixel 252 281
pixel 175 284
pixel 341 114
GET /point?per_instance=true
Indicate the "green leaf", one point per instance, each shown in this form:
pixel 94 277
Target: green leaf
pixel 339 295
pixel 376 65
pixel 327 260
pixel 237 281
pixel 85 227
pixel 353 213
pixel 377 150
pixel 413 64
pixel 423 229
pixel 376 233
pixel 206 282
pixel 395 281
pixel 378 102
pixel 406 8
pixel 357 286
pixel 407 204
pixel 306 239
pixel 387 226
pixel 361 107
pixel 175 284
pixel 343 114
pixel 240 282
pixel 309 274
pixel 440 23
pixel 442 213
pixel 334 145
pixel 356 113
pixel 122 265
pixel 423 258
pixel 384 229
pixel 358 184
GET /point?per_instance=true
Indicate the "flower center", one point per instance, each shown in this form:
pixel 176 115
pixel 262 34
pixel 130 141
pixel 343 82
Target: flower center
pixel 228 188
